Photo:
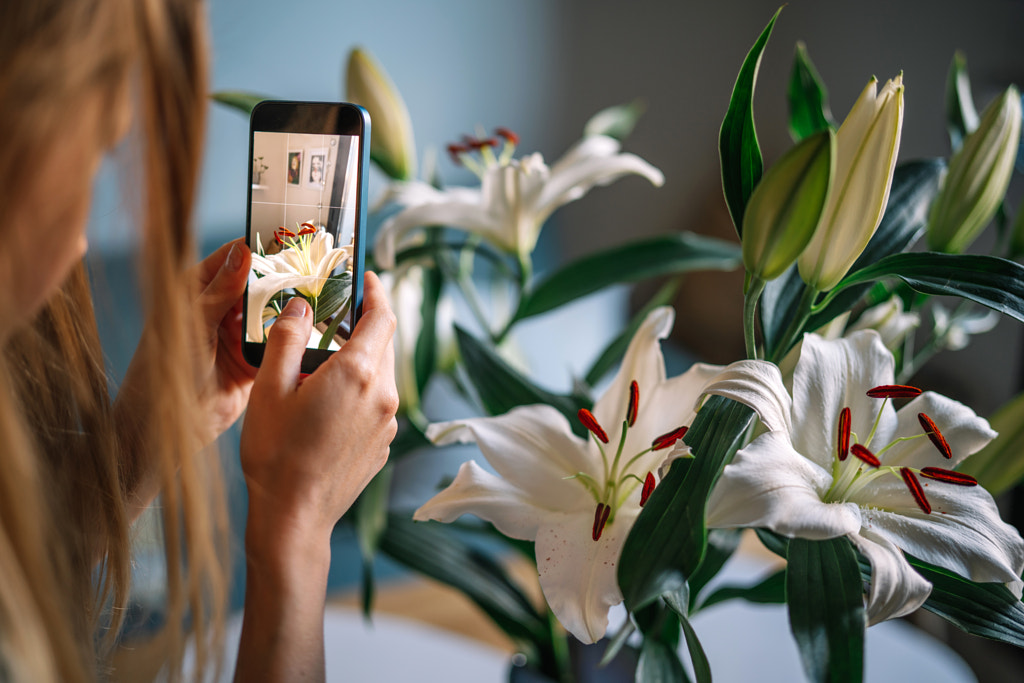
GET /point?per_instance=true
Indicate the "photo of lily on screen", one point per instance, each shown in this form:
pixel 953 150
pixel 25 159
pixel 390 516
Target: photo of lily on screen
pixel 301 235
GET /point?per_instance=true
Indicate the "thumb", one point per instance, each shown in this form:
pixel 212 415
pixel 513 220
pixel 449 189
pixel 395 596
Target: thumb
pixel 225 288
pixel 282 361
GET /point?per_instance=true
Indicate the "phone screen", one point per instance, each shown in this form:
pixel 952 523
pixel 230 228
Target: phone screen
pixel 306 211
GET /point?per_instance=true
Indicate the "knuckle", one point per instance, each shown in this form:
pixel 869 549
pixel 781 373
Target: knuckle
pixel 358 369
pixel 390 401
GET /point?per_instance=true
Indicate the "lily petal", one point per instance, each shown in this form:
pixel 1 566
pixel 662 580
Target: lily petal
pixel 469 216
pixel 768 484
pixel 759 385
pixel 261 291
pixel 964 431
pixel 963 533
pixel 896 589
pixel 532 447
pixel 830 376
pixel 478 492
pixel 579 575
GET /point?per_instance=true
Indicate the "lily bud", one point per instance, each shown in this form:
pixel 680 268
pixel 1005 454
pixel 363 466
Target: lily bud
pixel 786 206
pixel 866 147
pixel 391 145
pixel 1000 465
pixel 978 176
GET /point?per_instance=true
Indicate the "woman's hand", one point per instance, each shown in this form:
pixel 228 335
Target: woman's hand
pixel 227 378
pixel 309 447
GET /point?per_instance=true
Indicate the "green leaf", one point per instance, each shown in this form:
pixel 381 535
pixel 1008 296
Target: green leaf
pixel 371 518
pixel 616 642
pixel 722 543
pixel 770 591
pixel 425 355
pixel 333 297
pixel 808 98
pixel 242 100
pixel 664 255
pixel 989 610
pixel 774 542
pixel 701 666
pixel 914 186
pixel 613 353
pixel 961 116
pixel 737 141
pixel 436 551
pixel 617 121
pixel 502 388
pixel 668 540
pixel 659 663
pixel 987 280
pixel 826 609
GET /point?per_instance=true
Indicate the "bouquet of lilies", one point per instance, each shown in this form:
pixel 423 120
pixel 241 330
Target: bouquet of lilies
pixel 877 493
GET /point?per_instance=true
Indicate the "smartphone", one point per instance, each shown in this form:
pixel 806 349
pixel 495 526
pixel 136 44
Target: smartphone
pixel 306 214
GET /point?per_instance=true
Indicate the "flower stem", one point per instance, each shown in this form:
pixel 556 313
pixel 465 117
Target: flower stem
pixel 796 325
pixel 755 287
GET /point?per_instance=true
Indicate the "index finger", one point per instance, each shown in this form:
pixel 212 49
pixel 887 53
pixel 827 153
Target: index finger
pixel 372 334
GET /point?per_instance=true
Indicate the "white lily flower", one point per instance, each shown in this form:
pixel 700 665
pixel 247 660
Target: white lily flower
pixel 956 331
pixel 866 148
pixel 889 320
pixel 515 196
pixel 304 264
pixel 577 499
pixel 851 465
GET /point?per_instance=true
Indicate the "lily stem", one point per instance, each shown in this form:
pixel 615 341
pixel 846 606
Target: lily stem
pixel 796 325
pixel 755 287
pixel 468 290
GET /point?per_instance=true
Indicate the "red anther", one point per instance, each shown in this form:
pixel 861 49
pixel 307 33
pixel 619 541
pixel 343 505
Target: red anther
pixel 455 151
pixel 865 455
pixel 634 403
pixel 600 519
pixel 307 229
pixel 910 479
pixel 590 422
pixel 894 391
pixel 285 232
pixel 647 490
pixel 935 435
pixel 669 438
pixel 844 434
pixel 949 476
pixel 508 135
pixel 480 143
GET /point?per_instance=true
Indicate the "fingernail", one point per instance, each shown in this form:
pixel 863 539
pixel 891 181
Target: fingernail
pixel 295 308
pixel 234 259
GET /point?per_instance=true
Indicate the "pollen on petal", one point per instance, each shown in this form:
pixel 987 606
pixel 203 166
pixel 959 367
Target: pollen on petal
pixel 929 427
pixel 949 476
pixel 600 519
pixel 910 479
pixel 668 439
pixel 647 490
pixel 864 454
pixel 843 446
pixel 893 391
pixel 590 422
pixel 634 402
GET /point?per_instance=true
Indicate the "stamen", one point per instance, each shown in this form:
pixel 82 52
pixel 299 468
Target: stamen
pixel 307 229
pixel 844 434
pixel 508 135
pixel 600 519
pixel 915 489
pixel 647 490
pixel 590 422
pixel 894 391
pixel 865 455
pixel 456 151
pixel 480 143
pixel 668 439
pixel 634 402
pixel 935 435
pixel 283 232
pixel 949 476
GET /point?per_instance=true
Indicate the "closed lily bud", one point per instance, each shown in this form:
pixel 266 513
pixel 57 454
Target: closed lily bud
pixel 391 145
pixel 978 176
pixel 1000 465
pixel 786 206
pixel 866 148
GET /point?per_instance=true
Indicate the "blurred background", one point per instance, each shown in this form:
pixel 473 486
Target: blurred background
pixel 542 68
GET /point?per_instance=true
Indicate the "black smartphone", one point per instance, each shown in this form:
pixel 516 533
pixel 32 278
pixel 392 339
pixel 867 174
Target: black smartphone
pixel 306 214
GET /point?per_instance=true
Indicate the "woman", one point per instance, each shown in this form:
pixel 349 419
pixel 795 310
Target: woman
pixel 78 467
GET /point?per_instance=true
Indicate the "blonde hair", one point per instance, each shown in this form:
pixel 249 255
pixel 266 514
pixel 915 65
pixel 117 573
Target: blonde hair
pixel 70 466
